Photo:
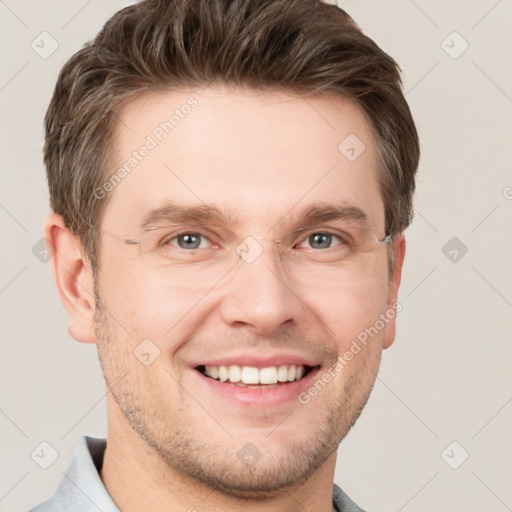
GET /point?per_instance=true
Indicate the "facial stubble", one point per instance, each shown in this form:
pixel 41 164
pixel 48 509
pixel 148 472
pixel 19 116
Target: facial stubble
pixel 212 459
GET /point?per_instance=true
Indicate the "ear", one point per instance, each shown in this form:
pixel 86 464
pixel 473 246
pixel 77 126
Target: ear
pixel 393 286
pixel 73 277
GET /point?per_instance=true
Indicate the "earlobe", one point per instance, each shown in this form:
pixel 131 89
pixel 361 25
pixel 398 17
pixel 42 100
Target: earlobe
pixel 393 286
pixel 73 277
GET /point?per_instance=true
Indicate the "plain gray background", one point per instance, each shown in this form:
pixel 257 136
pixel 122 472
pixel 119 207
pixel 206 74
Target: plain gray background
pixel 446 379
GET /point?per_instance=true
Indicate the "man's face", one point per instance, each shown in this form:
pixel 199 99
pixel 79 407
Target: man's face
pixel 264 160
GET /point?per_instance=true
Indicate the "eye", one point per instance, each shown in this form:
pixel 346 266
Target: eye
pixel 321 240
pixel 186 240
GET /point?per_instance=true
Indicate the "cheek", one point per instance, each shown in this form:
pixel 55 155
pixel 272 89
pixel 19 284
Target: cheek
pixel 350 310
pixel 143 306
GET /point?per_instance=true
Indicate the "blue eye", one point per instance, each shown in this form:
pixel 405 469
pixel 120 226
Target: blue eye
pixel 321 240
pixel 189 240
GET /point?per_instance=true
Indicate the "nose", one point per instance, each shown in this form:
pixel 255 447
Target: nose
pixel 259 293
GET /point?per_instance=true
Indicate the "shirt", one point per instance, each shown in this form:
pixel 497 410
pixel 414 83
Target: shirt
pixel 81 488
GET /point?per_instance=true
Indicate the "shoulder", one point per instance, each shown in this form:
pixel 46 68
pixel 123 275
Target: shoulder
pixel 81 488
pixel 48 506
pixel 342 502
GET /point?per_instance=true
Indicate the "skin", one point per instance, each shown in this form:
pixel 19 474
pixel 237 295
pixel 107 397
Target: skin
pixel 172 442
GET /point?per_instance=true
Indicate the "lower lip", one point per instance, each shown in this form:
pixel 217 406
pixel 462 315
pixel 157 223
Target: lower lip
pixel 262 396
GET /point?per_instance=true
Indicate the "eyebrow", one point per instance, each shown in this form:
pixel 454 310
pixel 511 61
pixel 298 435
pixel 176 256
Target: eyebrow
pixel 312 215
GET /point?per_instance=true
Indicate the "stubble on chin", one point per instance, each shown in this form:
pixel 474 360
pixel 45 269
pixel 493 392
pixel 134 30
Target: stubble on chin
pixel 211 458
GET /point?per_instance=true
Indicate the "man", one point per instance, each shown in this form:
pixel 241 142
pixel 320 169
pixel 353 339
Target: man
pixel 230 182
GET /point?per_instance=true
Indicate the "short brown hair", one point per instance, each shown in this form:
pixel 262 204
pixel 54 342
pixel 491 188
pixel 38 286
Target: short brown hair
pixel 304 46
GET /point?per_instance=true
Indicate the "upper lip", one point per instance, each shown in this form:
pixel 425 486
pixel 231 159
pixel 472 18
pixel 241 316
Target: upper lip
pixel 257 360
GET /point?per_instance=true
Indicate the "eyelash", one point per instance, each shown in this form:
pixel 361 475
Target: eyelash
pixel 170 238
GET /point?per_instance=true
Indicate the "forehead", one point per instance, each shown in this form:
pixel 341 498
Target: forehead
pixel 258 157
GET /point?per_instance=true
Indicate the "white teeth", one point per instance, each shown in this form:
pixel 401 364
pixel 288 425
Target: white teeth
pixel 282 373
pixel 223 373
pixel 235 373
pixel 268 375
pixel 252 375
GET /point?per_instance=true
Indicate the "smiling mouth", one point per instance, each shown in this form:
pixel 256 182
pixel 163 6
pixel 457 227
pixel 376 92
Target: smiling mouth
pixel 250 376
